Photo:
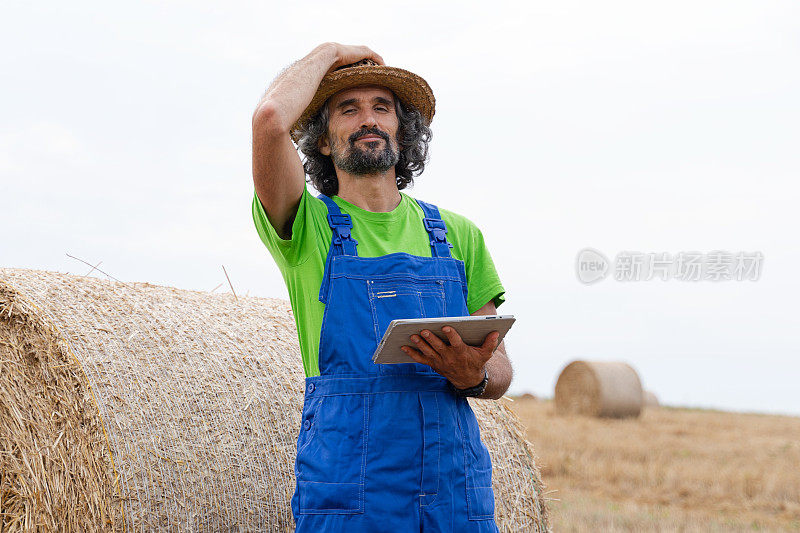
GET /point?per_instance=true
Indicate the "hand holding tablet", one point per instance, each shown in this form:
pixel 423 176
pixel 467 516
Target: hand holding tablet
pixel 472 329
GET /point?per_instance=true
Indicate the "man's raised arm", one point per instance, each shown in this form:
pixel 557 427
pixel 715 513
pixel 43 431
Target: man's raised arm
pixel 277 170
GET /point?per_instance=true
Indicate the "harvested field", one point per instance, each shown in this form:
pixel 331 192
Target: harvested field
pixel 133 406
pixel 668 470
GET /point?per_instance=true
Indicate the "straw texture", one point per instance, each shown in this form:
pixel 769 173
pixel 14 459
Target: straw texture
pixel 599 388
pixel 129 406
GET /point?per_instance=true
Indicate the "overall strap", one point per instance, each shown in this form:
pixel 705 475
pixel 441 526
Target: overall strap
pixel 437 229
pixel 341 226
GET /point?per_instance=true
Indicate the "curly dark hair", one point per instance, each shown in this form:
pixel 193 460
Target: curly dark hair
pixel 413 136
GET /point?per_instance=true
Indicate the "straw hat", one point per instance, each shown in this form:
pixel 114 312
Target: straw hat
pixel 410 89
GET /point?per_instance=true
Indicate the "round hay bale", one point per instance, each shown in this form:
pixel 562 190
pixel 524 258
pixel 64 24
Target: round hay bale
pixel 650 399
pixel 599 388
pixel 134 406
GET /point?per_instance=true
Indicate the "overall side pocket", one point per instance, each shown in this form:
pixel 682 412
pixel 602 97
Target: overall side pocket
pixel 477 465
pixel 331 462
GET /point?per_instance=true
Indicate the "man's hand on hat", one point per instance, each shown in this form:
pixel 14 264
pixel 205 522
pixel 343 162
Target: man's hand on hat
pixel 348 54
pixel 461 364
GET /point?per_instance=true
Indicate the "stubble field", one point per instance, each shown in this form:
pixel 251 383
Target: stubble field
pixel 669 470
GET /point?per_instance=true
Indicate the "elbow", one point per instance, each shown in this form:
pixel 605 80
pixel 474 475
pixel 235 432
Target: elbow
pixel 268 119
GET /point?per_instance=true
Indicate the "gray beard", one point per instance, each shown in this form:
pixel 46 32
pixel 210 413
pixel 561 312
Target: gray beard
pixel 362 162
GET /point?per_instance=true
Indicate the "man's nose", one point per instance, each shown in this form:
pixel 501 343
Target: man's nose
pixel 368 119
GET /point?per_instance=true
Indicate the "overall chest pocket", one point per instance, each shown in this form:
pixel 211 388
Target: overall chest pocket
pixel 331 455
pixel 404 298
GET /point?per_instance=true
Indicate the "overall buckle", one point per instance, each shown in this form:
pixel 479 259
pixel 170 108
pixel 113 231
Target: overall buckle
pixel 341 224
pixel 339 219
pixel 437 229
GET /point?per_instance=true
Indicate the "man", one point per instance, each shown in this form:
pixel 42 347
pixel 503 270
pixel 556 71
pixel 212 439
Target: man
pixel 381 447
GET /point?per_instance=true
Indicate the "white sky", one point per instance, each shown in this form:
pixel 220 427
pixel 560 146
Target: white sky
pixel 125 138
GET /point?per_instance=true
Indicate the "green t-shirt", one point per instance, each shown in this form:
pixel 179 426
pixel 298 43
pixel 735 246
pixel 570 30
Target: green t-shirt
pixel 301 259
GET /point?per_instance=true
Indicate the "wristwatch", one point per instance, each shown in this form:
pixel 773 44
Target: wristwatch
pixel 472 392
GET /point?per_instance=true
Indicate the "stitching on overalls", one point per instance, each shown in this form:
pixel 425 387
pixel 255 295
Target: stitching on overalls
pixel 364 453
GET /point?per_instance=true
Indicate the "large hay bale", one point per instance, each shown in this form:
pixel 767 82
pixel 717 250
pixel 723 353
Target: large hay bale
pixel 133 406
pixel 599 388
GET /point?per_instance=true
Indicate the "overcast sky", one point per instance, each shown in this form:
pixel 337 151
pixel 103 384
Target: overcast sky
pixel 621 126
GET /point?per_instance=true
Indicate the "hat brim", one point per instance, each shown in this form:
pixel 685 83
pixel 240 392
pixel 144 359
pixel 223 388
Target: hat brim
pixel 407 86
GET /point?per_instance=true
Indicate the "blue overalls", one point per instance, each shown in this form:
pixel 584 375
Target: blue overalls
pixel 387 447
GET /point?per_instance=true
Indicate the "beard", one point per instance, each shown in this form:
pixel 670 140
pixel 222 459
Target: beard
pixel 362 161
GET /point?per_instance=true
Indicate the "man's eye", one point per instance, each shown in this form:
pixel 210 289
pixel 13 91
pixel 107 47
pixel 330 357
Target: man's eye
pixel 348 111
pixel 381 108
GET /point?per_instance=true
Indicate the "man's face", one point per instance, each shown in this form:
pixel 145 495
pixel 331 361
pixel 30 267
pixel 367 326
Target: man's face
pixel 362 131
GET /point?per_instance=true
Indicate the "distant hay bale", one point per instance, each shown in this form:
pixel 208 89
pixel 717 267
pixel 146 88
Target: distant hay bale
pixel 527 396
pixel 134 406
pixel 599 388
pixel 650 399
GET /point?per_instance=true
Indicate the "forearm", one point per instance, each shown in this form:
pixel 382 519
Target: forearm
pixel 292 91
pixel 500 374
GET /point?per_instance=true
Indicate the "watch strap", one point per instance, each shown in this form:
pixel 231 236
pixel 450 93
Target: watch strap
pixel 472 392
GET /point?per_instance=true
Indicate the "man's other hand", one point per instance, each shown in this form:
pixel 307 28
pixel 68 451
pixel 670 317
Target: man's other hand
pixel 461 364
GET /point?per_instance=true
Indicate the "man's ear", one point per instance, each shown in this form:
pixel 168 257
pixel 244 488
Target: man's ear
pixel 323 145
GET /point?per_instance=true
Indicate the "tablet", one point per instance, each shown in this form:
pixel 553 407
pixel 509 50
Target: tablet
pixel 473 330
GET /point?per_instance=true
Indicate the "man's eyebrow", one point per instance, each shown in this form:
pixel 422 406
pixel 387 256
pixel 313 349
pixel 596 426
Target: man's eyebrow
pixel 353 101
pixel 345 103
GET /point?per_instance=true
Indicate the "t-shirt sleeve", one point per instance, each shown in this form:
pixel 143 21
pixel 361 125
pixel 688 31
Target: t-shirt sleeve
pixel 286 252
pixel 483 282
